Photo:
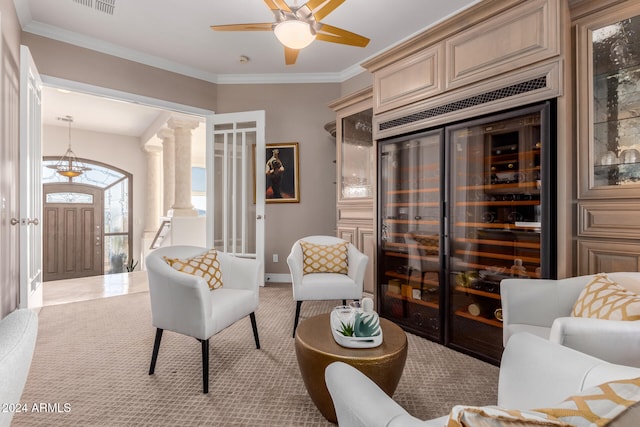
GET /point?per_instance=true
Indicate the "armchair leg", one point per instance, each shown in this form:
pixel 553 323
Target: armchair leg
pixel 254 326
pixel 205 366
pixel 295 320
pixel 156 348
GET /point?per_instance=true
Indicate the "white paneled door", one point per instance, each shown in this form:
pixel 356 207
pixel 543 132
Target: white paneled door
pixel 30 182
pixel 236 184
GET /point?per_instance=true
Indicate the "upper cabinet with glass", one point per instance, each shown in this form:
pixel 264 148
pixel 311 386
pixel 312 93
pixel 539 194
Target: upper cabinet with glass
pixel 608 69
pixel 357 156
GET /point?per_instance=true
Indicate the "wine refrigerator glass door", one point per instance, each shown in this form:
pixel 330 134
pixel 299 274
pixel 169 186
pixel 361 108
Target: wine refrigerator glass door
pixel 495 211
pixel 410 239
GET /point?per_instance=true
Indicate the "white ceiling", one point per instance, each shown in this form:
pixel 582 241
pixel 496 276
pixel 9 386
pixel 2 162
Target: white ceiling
pixel 175 35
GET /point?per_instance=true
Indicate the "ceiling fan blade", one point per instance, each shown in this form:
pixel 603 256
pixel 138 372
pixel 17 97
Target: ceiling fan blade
pixel 290 55
pixel 332 34
pixel 324 7
pixel 267 26
pixel 277 5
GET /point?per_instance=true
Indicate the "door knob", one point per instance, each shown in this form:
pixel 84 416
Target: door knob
pixel 14 221
pixel 33 221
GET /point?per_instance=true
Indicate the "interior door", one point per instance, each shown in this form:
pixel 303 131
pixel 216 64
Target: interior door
pixel 72 231
pixel 30 182
pixel 235 191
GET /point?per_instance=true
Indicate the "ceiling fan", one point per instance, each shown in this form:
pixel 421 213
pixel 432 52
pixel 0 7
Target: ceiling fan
pixel 296 27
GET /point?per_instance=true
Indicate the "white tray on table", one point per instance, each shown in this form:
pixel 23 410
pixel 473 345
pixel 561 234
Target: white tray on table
pixel 352 342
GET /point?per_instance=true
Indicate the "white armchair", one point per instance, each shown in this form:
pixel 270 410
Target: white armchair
pixel 18 334
pixel 325 286
pixel 183 303
pixel 534 373
pixel 543 307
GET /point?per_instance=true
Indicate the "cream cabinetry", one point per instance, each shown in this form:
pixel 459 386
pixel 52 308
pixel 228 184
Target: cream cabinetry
pixel 410 79
pixel 489 40
pixel 517 37
pixel 608 90
pixel 356 176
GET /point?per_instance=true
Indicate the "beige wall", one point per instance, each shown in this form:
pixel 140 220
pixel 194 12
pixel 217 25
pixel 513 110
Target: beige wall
pixel 123 152
pixel 294 112
pixel 9 143
pixel 65 61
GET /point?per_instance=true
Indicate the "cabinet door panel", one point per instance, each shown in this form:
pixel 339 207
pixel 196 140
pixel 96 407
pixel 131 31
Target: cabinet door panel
pixel 408 80
pixel 609 219
pixel 518 37
pixel 367 244
pixel 607 256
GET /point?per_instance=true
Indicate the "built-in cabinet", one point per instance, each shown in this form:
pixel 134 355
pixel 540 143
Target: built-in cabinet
pixel 608 87
pixel 581 59
pixel 356 176
pixel 464 117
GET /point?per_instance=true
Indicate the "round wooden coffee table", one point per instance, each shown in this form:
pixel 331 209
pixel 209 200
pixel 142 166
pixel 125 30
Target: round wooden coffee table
pixel 316 349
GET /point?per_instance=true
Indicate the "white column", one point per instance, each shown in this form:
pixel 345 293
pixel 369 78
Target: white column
pixel 152 212
pixel 168 169
pixel 182 134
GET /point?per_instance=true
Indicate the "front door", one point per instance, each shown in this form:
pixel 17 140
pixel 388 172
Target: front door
pixel 72 231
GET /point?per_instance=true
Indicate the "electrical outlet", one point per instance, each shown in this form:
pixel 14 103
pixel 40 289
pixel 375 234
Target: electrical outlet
pixel 275 257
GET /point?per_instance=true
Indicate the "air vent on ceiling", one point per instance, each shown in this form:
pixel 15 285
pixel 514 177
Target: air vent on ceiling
pixel 505 92
pixel 106 6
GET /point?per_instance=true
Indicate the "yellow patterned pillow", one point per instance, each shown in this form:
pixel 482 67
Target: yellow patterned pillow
pixel 206 266
pixel 597 406
pixel 603 298
pixel 325 258
pixel 614 402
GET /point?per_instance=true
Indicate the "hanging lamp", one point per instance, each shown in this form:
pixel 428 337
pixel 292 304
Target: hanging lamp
pixel 69 166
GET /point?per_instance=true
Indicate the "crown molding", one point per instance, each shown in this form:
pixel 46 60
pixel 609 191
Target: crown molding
pixel 56 33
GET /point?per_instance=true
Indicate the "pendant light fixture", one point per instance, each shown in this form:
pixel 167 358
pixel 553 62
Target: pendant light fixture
pixel 69 166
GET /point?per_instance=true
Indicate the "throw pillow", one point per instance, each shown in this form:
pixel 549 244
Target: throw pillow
pixel 613 404
pixel 325 258
pixel 206 266
pixel 603 298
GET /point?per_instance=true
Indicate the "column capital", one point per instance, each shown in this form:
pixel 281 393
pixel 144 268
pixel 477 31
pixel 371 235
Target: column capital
pixel 176 122
pixel 166 133
pixel 150 148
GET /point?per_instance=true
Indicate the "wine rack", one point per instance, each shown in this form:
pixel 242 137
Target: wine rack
pixel 460 209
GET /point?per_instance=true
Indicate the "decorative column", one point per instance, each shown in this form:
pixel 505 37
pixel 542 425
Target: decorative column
pixel 152 212
pixel 182 134
pixel 168 169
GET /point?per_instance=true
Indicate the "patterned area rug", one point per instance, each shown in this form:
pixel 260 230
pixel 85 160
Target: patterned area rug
pixel 91 362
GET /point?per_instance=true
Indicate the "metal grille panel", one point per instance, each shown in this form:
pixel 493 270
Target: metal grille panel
pixel 505 92
pixel 105 6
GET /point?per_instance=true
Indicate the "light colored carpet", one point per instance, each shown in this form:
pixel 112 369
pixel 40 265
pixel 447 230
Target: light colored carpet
pixel 90 368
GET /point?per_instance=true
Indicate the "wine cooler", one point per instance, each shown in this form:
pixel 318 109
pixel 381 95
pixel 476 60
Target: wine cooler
pixel 461 208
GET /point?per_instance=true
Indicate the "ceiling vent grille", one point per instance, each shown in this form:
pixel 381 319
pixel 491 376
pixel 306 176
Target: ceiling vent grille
pixel 106 6
pixel 505 92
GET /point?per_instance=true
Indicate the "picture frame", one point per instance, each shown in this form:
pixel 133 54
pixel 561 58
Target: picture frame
pixel 282 170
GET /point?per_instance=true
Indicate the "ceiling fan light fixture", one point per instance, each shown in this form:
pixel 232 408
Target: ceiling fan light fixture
pixel 294 34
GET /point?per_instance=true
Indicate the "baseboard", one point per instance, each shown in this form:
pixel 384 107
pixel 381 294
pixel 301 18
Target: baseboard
pixel 277 278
